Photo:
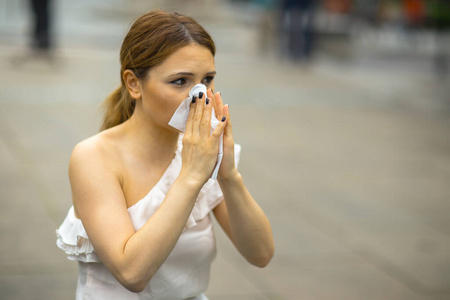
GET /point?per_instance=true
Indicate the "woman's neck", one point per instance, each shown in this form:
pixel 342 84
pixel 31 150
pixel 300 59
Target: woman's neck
pixel 149 139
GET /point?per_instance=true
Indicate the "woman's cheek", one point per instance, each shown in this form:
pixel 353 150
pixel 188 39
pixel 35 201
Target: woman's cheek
pixel 174 104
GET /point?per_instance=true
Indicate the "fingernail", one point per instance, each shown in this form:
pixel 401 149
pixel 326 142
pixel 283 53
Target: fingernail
pixel 200 95
pixel 220 93
pixel 194 99
pixel 207 101
pixel 224 118
pixel 212 91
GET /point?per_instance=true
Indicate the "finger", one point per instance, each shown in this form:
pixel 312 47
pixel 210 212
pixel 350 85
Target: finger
pixel 199 106
pixel 212 96
pixel 219 129
pixel 205 125
pixel 226 111
pixel 219 105
pixel 191 115
pixel 229 128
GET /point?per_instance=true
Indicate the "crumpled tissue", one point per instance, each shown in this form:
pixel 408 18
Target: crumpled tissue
pixel 180 117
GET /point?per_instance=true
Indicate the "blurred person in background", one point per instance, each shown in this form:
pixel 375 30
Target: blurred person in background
pixel 438 18
pixel 267 24
pixel 140 225
pixel 41 33
pixel 297 26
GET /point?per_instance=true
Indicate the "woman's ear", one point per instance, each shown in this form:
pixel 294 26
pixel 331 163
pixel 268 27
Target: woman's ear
pixel 132 84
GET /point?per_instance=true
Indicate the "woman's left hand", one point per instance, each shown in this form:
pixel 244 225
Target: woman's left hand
pixel 227 167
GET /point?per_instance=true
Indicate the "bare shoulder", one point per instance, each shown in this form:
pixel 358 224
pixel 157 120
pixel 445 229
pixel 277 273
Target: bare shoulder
pixel 89 152
pixel 99 150
pixel 94 172
pixel 96 157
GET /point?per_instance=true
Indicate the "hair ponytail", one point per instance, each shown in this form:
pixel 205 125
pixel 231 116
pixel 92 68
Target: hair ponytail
pixel 118 108
pixel 150 40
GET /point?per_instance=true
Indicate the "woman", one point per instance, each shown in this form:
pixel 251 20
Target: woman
pixel 140 225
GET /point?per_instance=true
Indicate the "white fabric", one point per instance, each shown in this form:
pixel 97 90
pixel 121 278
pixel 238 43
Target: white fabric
pixel 180 117
pixel 185 273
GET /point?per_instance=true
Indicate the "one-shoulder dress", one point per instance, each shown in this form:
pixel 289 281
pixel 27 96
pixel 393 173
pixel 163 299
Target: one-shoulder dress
pixel 185 273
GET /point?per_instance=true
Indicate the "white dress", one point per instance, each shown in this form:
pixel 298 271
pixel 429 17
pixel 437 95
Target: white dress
pixel 185 273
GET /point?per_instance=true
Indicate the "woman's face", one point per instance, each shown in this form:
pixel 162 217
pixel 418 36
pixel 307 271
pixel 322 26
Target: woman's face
pixel 169 83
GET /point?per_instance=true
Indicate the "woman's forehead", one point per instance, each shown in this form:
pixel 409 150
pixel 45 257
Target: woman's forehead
pixel 192 58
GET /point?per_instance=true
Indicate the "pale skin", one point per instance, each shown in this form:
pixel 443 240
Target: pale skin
pixel 114 169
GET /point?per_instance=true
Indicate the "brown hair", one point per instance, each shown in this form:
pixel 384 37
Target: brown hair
pixel 150 40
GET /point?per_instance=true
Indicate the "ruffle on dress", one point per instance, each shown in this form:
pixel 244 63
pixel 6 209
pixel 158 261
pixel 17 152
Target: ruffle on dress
pixel 74 241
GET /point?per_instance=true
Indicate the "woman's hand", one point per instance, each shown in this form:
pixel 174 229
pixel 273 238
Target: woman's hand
pixel 228 166
pixel 200 147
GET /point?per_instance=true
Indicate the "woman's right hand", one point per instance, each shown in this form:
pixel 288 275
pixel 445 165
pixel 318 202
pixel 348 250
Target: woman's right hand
pixel 200 146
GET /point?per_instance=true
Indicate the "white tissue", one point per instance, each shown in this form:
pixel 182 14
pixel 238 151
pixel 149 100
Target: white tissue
pixel 180 117
pixel 197 89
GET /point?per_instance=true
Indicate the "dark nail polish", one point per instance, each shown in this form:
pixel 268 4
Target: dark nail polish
pixel 224 118
pixel 200 95
pixel 207 101
pixel 212 91
pixel 194 99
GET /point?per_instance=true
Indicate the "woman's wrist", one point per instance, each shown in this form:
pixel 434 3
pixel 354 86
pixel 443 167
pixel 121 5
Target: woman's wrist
pixel 230 178
pixel 190 182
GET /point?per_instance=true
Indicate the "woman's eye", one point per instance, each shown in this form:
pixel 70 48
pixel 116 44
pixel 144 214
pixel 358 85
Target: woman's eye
pixel 180 81
pixel 207 80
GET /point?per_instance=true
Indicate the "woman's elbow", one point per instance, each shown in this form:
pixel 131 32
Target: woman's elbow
pixel 134 288
pixel 263 262
pixel 263 259
pixel 133 285
pixel 134 282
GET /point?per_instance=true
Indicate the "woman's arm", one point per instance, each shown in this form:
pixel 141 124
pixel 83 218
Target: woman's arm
pixel 133 257
pixel 239 215
pixel 244 222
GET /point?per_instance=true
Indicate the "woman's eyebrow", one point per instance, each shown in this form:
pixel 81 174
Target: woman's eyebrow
pixel 191 74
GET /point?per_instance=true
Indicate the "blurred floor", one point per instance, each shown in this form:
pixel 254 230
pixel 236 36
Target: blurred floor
pixel 350 159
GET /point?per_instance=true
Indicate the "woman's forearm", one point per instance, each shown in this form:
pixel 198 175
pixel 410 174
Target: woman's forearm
pixel 250 229
pixel 147 249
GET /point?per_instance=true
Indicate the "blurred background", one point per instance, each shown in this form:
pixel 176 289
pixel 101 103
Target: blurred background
pixel 342 109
